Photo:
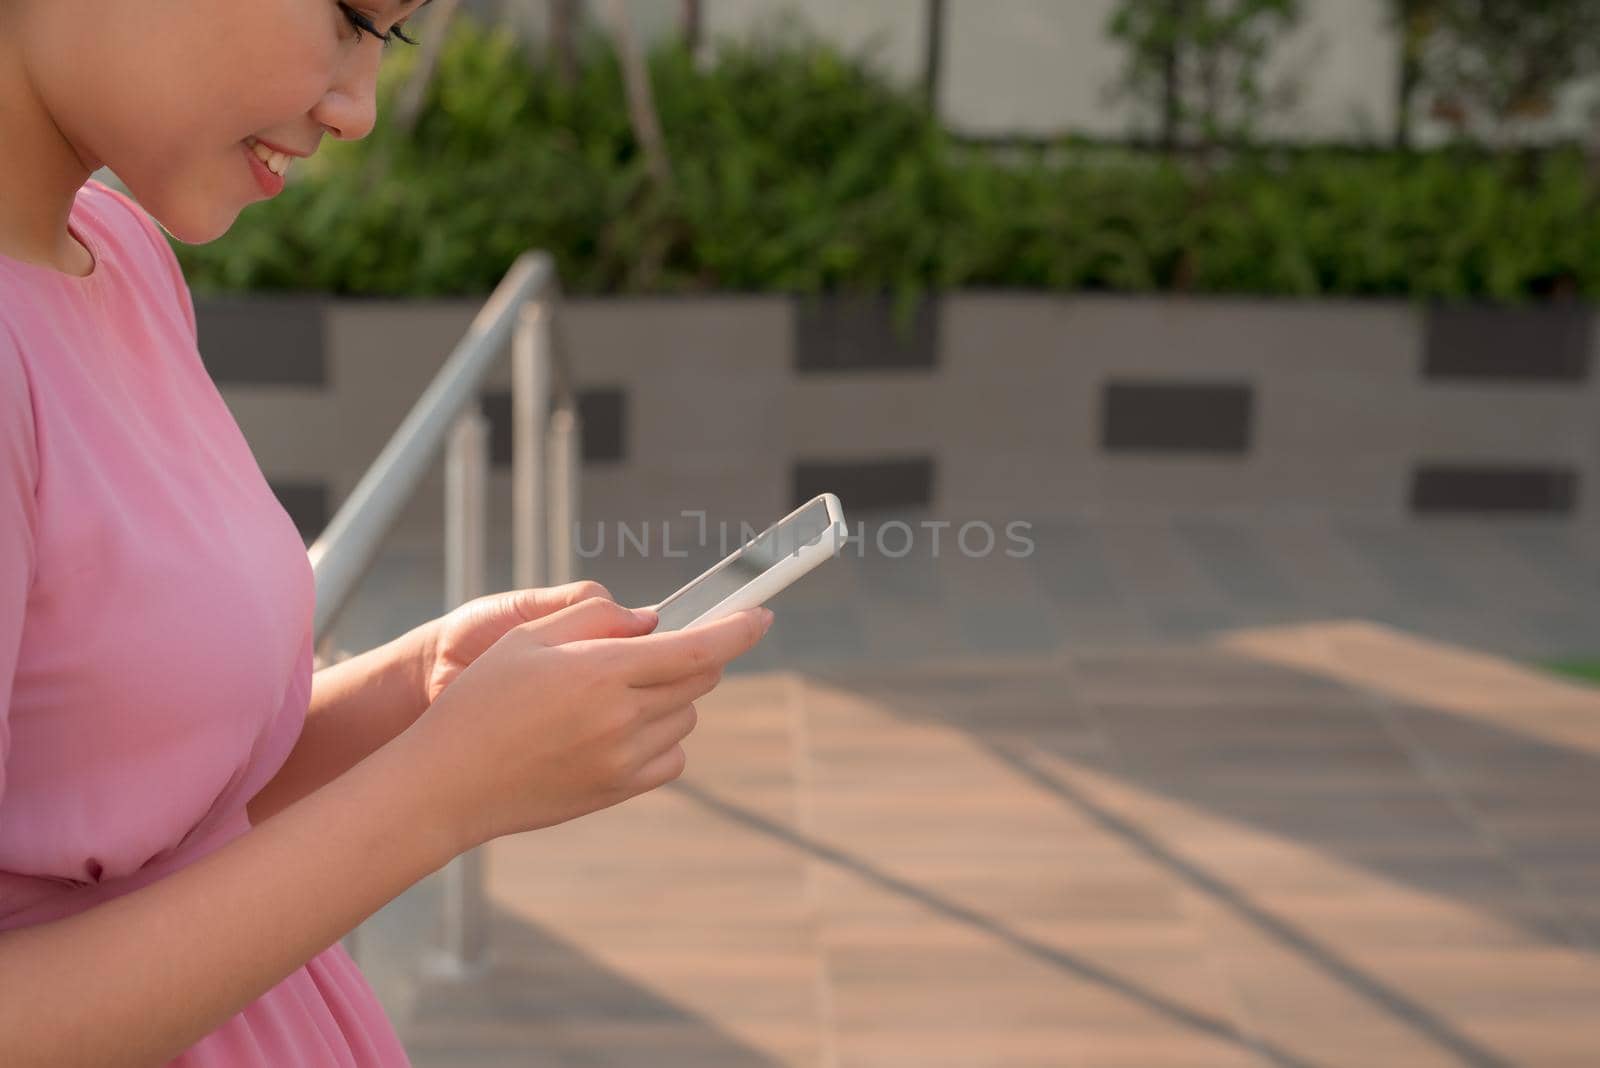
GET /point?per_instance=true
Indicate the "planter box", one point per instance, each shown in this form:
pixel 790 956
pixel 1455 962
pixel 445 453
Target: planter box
pixel 984 405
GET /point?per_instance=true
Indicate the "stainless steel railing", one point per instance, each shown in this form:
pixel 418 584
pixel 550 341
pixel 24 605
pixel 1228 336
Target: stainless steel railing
pixel 545 458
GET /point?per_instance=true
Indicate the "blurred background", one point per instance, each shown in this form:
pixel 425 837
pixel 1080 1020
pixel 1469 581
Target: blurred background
pixel 1209 385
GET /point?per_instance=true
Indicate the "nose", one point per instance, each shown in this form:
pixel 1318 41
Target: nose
pixel 349 109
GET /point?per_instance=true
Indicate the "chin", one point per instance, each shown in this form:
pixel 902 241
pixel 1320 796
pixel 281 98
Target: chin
pixel 195 218
pixel 200 233
pixel 194 205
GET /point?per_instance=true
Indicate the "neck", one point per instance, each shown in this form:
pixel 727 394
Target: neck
pixel 45 172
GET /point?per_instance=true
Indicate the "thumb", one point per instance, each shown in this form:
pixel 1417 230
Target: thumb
pixel 593 618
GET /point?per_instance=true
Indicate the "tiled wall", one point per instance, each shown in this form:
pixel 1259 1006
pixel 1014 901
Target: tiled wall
pixel 986 406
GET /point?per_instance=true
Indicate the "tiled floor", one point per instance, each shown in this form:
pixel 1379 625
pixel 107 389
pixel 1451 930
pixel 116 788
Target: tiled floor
pixel 1299 845
pixel 1522 588
pixel 1191 792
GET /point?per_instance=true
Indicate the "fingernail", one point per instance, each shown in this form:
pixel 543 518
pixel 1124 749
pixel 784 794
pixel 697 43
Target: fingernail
pixel 644 614
pixel 766 619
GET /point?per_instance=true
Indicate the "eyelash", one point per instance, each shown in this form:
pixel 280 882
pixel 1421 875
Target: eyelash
pixel 361 22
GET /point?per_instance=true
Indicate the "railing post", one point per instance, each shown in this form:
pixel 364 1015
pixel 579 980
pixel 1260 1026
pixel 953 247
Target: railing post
pixel 463 935
pixel 530 400
pixel 566 447
pixel 448 416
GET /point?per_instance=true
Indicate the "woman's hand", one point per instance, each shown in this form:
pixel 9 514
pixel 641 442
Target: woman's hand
pixel 461 636
pixel 568 714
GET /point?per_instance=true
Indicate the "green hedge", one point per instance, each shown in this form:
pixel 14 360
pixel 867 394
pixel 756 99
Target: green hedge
pixel 796 169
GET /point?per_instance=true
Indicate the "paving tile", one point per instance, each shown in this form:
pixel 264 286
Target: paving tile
pixel 1000 624
pixel 1235 561
pixel 1320 844
pixel 1404 558
pixel 1072 566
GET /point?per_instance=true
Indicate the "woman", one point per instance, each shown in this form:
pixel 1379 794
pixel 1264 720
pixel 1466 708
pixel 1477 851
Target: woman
pixel 189 820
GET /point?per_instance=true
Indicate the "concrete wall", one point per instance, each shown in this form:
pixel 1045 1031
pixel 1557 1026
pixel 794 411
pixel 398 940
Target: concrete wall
pixel 1009 405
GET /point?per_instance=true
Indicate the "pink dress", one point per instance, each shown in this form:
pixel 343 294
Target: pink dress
pixel 155 619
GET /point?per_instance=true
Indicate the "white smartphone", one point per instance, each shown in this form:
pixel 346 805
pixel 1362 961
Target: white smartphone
pixel 757 570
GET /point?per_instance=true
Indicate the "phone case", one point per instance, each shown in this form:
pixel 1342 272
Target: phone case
pixel 780 575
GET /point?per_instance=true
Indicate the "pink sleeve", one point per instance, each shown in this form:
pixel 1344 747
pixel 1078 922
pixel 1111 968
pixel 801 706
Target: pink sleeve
pixel 19 465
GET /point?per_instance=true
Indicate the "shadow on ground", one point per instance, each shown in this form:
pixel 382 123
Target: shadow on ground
pixel 542 1002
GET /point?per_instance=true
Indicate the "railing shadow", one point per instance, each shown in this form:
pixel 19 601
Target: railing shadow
pixel 1222 734
pixel 1199 1022
pixel 543 1001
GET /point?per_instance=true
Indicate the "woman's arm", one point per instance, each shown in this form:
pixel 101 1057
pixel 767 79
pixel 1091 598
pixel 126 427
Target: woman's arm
pixel 357 705
pixel 139 979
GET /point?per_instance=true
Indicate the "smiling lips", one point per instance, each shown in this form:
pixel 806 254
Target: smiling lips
pixel 276 162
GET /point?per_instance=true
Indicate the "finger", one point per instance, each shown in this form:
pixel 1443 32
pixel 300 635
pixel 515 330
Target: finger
pixel 539 602
pixel 594 618
pixel 662 769
pixel 664 733
pixel 655 700
pixel 657 658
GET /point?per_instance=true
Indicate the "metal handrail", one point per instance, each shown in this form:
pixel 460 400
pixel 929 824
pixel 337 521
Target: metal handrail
pixel 545 456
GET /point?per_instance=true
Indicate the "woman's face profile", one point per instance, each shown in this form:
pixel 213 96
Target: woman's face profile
pixel 166 92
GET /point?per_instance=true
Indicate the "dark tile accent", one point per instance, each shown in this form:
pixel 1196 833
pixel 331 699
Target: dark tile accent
pixel 867 485
pixel 1176 417
pixel 1437 488
pixel 1541 344
pixel 307 505
pixel 603 411
pixel 262 340
pixel 843 332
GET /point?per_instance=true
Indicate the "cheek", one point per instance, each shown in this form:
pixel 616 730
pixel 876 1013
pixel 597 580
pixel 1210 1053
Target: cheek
pixel 209 74
pixel 282 67
pixel 204 83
